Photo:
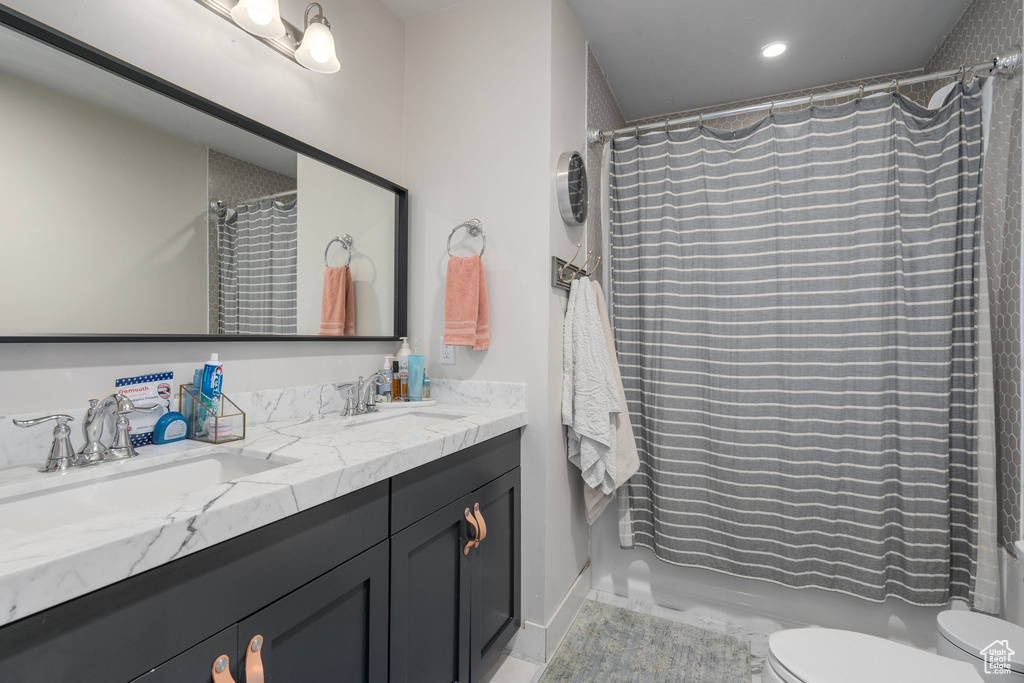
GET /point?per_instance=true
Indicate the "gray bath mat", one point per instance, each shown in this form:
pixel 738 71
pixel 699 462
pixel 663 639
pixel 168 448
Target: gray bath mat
pixel 615 645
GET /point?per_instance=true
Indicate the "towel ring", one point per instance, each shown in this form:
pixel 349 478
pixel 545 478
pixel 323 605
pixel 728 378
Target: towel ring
pixel 346 243
pixel 475 229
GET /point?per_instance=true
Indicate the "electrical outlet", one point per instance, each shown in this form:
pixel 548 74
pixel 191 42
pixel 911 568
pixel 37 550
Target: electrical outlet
pixel 447 353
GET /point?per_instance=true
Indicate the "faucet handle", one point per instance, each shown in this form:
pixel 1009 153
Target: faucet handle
pixel 62 453
pixel 61 421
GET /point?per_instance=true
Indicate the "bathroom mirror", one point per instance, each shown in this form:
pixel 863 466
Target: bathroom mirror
pixel 137 210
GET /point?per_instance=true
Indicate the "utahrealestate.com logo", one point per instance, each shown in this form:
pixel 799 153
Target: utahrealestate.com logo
pixel 997 657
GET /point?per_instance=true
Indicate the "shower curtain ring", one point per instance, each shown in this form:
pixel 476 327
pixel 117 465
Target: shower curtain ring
pixel 771 109
pixel 700 121
pixel 636 133
pixel 896 86
pixel 962 74
pixel 860 95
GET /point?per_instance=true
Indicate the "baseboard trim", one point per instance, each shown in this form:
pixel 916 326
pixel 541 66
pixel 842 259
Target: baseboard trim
pixel 539 641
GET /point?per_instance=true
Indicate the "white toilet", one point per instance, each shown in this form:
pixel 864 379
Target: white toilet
pixel 966 635
pixel 823 655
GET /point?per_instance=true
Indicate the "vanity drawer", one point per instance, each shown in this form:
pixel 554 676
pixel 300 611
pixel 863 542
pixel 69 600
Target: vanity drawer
pixel 119 632
pixel 419 492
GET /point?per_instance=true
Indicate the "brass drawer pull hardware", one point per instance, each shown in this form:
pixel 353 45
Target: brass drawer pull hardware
pixel 254 661
pixel 481 522
pixel 475 541
pixel 220 671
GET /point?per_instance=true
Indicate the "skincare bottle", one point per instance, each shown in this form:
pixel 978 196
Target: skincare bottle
pixel 426 385
pixel 403 367
pixel 396 383
pixel 385 388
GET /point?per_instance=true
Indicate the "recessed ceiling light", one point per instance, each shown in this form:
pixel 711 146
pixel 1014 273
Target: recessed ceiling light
pixel 773 49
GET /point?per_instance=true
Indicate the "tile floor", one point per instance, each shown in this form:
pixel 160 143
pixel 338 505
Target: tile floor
pixel 512 668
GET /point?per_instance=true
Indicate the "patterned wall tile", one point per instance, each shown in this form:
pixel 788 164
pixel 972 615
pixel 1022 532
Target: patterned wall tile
pixel 232 181
pixel 602 113
pixel 989 28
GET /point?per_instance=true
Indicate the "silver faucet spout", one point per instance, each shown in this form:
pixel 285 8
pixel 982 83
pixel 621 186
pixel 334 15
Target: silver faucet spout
pixel 366 402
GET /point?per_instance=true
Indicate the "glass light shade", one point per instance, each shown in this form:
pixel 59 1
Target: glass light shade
pixel 259 17
pixel 773 49
pixel 316 52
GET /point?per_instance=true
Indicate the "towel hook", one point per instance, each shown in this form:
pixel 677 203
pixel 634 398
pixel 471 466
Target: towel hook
pixel 346 243
pixel 561 271
pixel 475 229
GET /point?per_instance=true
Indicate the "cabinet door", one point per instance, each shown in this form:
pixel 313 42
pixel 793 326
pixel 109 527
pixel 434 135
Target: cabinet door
pixel 495 601
pixel 430 598
pixel 194 665
pixel 334 628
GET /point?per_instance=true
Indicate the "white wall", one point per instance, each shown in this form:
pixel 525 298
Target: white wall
pixel 81 189
pixel 568 537
pixel 485 123
pixel 356 114
pixel 333 203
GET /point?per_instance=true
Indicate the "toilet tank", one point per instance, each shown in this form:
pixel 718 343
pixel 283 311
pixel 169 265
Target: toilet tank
pixel 993 646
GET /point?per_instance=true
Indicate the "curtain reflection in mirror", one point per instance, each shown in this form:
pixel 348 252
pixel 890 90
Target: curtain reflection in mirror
pixel 258 268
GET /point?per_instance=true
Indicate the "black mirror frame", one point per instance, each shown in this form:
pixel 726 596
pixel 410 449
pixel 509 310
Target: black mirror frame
pixel 61 41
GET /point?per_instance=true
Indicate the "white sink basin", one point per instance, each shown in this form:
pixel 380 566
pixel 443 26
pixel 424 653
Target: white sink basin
pixel 124 491
pixel 401 423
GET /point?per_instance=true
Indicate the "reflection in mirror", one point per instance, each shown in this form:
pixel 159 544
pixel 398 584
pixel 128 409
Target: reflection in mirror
pixel 130 213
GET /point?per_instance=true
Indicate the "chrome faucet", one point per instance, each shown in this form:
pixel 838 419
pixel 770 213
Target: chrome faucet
pixel 62 453
pixel 92 429
pixel 358 398
pixel 365 391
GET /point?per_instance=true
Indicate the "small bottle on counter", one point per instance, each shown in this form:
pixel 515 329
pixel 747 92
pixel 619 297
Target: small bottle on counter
pixel 396 383
pixel 426 385
pixel 384 389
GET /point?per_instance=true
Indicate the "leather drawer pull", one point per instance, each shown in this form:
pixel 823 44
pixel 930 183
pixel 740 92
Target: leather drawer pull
pixel 220 671
pixel 475 541
pixel 481 522
pixel 254 661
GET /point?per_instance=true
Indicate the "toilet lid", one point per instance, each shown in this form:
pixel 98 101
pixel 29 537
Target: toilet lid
pixel 973 632
pixel 824 655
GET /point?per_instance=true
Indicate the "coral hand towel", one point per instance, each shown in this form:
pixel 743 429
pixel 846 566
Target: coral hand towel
pixel 466 319
pixel 338 308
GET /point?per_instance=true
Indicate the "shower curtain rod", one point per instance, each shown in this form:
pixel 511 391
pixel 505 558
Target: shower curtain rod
pixel 1006 66
pixel 276 195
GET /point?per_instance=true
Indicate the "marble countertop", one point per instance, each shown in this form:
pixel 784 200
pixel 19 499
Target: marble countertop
pixel 322 457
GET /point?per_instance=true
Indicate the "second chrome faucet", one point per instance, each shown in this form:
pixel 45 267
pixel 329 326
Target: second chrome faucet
pixel 358 395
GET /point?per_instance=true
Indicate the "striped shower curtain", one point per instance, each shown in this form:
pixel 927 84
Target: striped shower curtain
pixel 258 269
pixel 795 319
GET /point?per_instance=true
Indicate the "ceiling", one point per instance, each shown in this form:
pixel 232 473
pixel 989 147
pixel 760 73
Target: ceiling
pixel 664 56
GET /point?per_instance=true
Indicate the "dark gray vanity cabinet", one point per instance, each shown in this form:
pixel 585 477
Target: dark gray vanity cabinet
pixel 373 586
pixel 193 665
pixel 164 624
pixel 332 629
pixel 454 604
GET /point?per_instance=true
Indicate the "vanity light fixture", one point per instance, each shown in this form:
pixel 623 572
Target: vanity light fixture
pixel 259 17
pixel 316 51
pixel 313 49
pixel 773 49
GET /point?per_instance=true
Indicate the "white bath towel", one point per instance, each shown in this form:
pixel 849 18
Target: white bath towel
pixel 590 399
pixel 627 460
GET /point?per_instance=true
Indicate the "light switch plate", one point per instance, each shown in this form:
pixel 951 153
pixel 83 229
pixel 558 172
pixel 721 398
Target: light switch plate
pixel 447 353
